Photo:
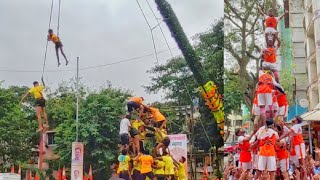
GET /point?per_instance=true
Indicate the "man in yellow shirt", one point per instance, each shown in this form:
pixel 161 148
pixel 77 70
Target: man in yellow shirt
pixel 58 45
pixel 181 168
pixel 169 165
pixel 123 169
pixel 158 169
pixel 40 104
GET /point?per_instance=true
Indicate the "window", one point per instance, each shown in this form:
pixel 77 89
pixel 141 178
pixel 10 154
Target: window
pixel 50 138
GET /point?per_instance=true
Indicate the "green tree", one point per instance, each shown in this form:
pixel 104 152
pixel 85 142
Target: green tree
pixel 17 128
pixel 98 130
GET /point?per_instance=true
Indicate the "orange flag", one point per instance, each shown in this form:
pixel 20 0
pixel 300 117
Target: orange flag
pixel 36 177
pixel 90 173
pixel 59 176
pixel 19 171
pixel 64 176
pixel 12 169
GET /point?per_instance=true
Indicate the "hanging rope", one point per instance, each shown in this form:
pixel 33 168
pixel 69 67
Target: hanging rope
pixel 58 28
pixel 45 54
pixel 151 30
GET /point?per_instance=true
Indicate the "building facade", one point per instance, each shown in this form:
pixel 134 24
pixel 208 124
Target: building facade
pixel 311 24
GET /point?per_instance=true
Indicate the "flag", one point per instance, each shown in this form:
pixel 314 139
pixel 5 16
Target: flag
pixel 85 177
pixel 12 169
pixel 19 171
pixel 64 176
pixel 37 177
pixel 90 173
pixel 59 176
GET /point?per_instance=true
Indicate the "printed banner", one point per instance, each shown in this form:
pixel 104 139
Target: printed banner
pixel 77 161
pixel 178 148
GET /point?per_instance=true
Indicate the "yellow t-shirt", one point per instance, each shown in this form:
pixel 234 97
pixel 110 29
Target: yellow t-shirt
pixel 54 38
pixel 181 171
pixel 137 123
pixel 137 165
pixel 160 169
pixel 160 135
pixel 37 91
pixel 169 166
pixel 146 162
pixel 123 165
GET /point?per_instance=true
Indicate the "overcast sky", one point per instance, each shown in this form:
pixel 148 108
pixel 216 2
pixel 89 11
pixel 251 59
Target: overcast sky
pixel 99 32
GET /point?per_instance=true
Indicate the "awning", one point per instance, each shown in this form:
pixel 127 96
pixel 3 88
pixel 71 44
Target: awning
pixel 313 115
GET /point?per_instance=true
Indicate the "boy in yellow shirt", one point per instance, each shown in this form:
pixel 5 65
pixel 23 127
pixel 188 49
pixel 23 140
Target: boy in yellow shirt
pixel 40 104
pixel 123 169
pixel 181 168
pixel 58 45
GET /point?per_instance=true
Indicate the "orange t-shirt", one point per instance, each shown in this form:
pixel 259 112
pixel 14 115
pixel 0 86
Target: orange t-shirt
pixel 297 137
pixel 245 154
pixel 146 162
pixel 157 115
pixel 267 140
pixel 271 22
pixel 269 55
pixel 136 100
pixel 54 38
pixel 282 100
pixel 265 83
pixel 282 152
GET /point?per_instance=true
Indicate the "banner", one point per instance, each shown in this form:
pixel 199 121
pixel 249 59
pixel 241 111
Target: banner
pixel 178 148
pixel 77 161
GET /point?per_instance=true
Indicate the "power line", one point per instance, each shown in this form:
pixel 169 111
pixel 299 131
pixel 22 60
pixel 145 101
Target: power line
pixel 86 68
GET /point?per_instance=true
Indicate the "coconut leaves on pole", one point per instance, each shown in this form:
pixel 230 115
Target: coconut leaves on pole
pixel 207 88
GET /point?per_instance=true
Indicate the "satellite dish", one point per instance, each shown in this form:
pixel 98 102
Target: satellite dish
pixel 304 103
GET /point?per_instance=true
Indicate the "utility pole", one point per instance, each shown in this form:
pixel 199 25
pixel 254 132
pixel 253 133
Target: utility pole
pixel 77 105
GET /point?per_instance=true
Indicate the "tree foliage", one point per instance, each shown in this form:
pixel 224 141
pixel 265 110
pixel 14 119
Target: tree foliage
pixel 17 128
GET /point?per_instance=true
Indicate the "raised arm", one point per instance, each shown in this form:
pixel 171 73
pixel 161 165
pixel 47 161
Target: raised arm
pixel 261 12
pixel 24 96
pixel 285 12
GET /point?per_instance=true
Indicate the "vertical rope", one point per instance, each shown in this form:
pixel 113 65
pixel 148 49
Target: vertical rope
pixel 58 28
pixel 45 54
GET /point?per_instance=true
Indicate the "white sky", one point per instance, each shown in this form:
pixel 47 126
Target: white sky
pixel 99 32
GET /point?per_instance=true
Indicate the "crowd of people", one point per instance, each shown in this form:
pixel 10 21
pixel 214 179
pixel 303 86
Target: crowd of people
pixel 273 149
pixel 137 162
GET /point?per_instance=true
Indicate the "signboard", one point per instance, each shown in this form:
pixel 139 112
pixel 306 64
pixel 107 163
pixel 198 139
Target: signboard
pixel 77 161
pixel 178 148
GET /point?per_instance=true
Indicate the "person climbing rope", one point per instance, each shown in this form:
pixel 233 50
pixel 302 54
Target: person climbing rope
pixel 58 45
pixel 40 104
pixel 271 24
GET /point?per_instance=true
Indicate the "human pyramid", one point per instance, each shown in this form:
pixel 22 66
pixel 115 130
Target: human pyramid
pixel 135 161
pixel 272 144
